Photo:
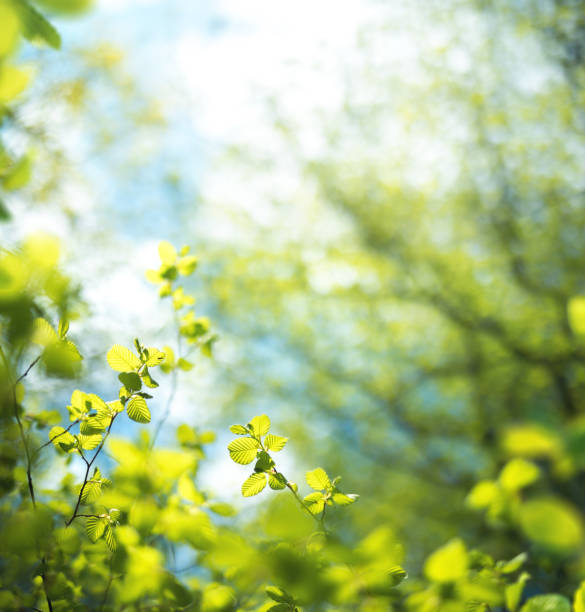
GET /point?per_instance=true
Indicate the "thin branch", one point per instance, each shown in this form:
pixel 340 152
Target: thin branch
pixel 57 436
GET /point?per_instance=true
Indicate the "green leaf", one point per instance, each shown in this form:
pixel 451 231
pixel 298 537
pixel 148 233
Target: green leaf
pixel 260 425
pixel 110 538
pixel 254 484
pixel 396 574
pixel 281 607
pixel 275 443
pixel 62 439
pixel 222 509
pixel 122 359
pixel 517 474
pixel 276 481
pixel 509 567
pixel 155 357
pixel 344 500
pixel 35 26
pixel 264 462
pixel 314 502
pixel 552 524
pixel 43 333
pixel 448 563
pixel 95 527
pixel 239 430
pixel 130 380
pixel 184 364
pixel 579 599
pixel 137 410
pixel 279 595
pixel 147 379
pixel 92 489
pixel 90 442
pixel 547 603
pixel 167 253
pixel 93 425
pixel 243 450
pixel 513 593
pixel 318 479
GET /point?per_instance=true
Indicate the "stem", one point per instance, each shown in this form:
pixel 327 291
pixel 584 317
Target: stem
pixel 31 488
pixel 289 486
pixel 87 469
pixel 57 436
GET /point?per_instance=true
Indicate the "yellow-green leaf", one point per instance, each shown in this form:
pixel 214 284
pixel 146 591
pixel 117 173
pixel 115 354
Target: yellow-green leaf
pixel 122 359
pixel 254 484
pixel 137 410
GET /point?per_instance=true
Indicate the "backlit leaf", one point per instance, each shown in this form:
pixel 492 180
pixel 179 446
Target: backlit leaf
pixel 137 410
pixel 318 480
pixel 243 450
pixel 254 484
pixel 275 443
pixel 122 359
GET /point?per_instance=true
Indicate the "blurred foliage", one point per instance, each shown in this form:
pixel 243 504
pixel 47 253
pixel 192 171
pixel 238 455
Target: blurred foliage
pixel 435 349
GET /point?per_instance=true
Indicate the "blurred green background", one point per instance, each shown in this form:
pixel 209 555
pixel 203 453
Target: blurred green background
pixel 387 200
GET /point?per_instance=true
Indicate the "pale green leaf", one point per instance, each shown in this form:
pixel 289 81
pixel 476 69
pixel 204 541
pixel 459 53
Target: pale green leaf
pixel 276 481
pixel 260 425
pixel 547 603
pixel 275 443
pixel 167 253
pixel 243 450
pixel 318 480
pixel 448 563
pixel 89 442
pixel 137 410
pixel 122 359
pixel 155 357
pixel 239 430
pixel 95 527
pixel 254 484
pixel 110 538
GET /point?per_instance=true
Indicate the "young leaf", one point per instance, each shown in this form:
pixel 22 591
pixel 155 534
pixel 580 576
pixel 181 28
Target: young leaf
pixel 122 359
pixel 35 26
pixel 344 500
pixel 275 443
pixel 239 430
pixel 155 357
pixel 279 595
pixel 62 440
pixel 137 410
pixel 396 575
pixel 276 481
pixel 318 479
pixel 95 527
pixel 92 425
pixel 314 502
pixel 243 450
pixel 264 462
pixel 254 484
pixel 167 253
pixel 90 442
pixel 260 425
pixel 130 380
pixel 147 379
pixel 184 364
pixel 110 538
pixel 91 492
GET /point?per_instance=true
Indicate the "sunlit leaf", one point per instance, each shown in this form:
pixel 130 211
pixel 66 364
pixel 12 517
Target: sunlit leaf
pixel 254 484
pixel 122 359
pixel 260 425
pixel 275 443
pixel 243 450
pixel 137 410
pixel 318 480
